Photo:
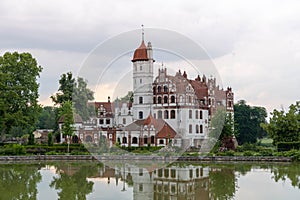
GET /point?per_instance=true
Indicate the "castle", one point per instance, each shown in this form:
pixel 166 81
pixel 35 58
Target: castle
pixel 166 110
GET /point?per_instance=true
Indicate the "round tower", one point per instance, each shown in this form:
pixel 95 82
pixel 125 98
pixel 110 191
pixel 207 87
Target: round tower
pixel 142 81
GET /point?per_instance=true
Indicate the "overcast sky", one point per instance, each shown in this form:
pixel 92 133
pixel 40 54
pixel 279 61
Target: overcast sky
pixel 255 45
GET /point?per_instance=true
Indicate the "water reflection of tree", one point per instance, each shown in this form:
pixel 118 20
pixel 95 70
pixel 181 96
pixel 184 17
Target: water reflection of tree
pixel 19 181
pixel 291 172
pixel 222 183
pixel 72 181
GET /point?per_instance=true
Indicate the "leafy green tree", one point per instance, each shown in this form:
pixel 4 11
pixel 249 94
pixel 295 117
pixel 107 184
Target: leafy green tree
pixel 66 112
pixel 81 96
pixel 18 92
pixel 46 119
pixel 75 91
pixel 50 139
pixel 248 120
pixel 284 127
pixel 127 98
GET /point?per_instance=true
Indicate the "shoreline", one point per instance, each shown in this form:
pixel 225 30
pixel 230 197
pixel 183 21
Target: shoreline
pixel 146 158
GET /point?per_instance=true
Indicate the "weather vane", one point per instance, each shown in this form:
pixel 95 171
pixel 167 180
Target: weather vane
pixel 143 32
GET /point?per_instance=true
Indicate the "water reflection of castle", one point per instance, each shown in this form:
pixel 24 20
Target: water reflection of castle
pixel 181 183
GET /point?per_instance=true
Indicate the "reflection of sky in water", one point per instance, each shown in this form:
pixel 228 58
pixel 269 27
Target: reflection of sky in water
pixel 259 184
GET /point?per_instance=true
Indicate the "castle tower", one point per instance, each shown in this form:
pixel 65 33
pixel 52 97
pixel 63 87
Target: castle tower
pixel 142 80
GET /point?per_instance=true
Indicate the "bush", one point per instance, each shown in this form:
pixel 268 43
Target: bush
pixel 229 153
pixel 248 153
pixel 13 149
pixel 286 146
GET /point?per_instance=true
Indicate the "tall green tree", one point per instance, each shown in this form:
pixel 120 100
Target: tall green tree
pixel 75 91
pixel 46 119
pixel 284 127
pixel 18 92
pixel 248 119
pixel 66 112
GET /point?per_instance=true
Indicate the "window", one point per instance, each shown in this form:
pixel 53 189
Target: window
pixel 140 172
pixel 159 89
pixel 165 99
pixel 159 100
pixel 166 173
pixel 141 187
pixel 197 128
pixel 165 88
pixel 141 68
pixel 107 121
pixel 201 128
pixel 161 141
pixel 124 120
pixel 101 121
pixel 154 90
pixel 196 114
pixel 159 114
pixel 197 172
pixel 124 140
pixel 190 128
pixel 134 140
pixel 119 140
pixel 140 100
pixel 152 139
pixel 190 114
pixel 209 101
pixel 190 99
pixel 145 140
pixel 154 100
pixel 141 80
pixel 173 173
pixel 166 114
pixel 172 99
pixel 201 114
pixel 173 114
pixel 141 115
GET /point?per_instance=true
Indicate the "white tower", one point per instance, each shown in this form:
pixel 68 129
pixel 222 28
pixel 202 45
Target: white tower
pixel 142 80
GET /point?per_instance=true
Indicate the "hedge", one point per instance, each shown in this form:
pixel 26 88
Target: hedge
pixel 286 146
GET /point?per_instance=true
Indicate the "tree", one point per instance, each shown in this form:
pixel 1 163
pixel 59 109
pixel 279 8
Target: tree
pixel 127 98
pixel 46 119
pixel 66 112
pixel 75 91
pixel 284 127
pixel 18 92
pixel 248 120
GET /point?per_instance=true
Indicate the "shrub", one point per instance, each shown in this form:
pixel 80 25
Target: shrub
pixel 248 153
pixel 13 149
pixel 286 146
pixel 229 153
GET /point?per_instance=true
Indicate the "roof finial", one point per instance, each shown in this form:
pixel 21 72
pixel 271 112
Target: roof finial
pixel 142 32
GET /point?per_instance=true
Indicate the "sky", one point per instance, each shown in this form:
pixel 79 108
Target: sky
pixel 254 45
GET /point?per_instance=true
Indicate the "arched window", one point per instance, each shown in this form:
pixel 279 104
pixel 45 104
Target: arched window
pixel 173 114
pixel 145 139
pixel 119 140
pixel 159 114
pixel 154 100
pixel 141 115
pixel 124 140
pixel 166 114
pixel 134 140
pixel 197 128
pixel 124 120
pixel 196 114
pixel 161 141
pixel 190 128
pixel 180 99
pixel 159 100
pixel 140 100
pixel 201 128
pixel 201 114
pixel 141 68
pixel 190 114
pixel 172 99
pixel 159 89
pixel 154 90
pixel 165 99
pixel 209 101
pixel 152 139
pixel 165 88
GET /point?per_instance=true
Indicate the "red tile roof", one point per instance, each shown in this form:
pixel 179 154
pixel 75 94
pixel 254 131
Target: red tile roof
pixel 140 53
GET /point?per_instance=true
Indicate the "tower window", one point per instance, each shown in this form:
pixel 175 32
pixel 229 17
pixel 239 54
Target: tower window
pixel 201 114
pixel 159 100
pixel 190 114
pixel 165 89
pixel 172 99
pixel 158 89
pixel 141 80
pixel 197 128
pixel 141 115
pixel 165 99
pixel 196 113
pixel 190 128
pixel 141 68
pixel 166 114
pixel 154 100
pixel 159 114
pixel 140 100
pixel 172 114
pixel 201 128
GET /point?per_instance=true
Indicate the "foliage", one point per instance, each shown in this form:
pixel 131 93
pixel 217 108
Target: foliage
pixel 18 92
pixel 284 127
pixel 248 120
pixel 66 112
pixel 46 119
pixel 286 146
pixel 75 91
pixel 128 98
pixel 50 139
pixel 31 139
pixel 13 149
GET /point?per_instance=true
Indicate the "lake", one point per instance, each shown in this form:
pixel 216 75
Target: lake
pixel 182 180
